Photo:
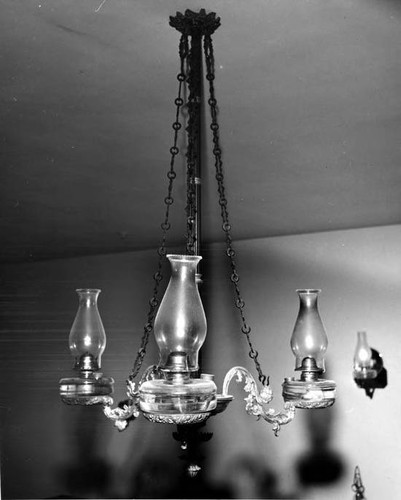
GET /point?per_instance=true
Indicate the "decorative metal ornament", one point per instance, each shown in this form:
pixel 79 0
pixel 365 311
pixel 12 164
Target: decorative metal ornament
pixel 256 401
pixel 195 23
pixel 193 470
pixel 357 486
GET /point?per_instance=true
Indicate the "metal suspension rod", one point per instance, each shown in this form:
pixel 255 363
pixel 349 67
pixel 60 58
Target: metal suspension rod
pixel 195 25
pixel 195 130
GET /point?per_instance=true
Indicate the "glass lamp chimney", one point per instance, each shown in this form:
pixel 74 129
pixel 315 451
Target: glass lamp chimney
pixel 87 339
pixel 309 339
pixel 367 362
pixel 180 324
pixel 369 372
pixel 363 353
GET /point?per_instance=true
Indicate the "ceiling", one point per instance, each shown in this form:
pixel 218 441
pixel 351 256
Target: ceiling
pixel 310 114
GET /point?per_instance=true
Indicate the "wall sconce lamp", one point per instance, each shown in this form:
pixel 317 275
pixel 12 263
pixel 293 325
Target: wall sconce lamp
pixel 369 372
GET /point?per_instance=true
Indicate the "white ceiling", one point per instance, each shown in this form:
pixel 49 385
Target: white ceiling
pixel 310 114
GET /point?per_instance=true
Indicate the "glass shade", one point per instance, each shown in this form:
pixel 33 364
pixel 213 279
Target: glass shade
pixel 309 339
pixel 180 324
pixel 363 360
pixel 87 338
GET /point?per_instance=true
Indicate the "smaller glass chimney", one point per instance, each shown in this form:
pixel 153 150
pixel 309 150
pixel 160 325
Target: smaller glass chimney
pixel 309 344
pixel 363 360
pixel 87 342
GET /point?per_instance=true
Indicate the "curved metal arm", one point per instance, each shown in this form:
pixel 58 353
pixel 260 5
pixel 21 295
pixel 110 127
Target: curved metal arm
pixel 256 400
pixel 127 410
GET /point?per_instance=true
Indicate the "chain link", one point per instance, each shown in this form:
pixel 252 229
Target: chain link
pixel 165 226
pixel 239 302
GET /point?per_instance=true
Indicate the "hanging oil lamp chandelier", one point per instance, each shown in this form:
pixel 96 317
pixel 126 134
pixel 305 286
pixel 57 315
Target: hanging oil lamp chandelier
pixel 175 391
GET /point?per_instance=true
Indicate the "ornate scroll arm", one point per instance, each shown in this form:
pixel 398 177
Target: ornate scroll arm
pixel 125 411
pixel 129 409
pixel 256 400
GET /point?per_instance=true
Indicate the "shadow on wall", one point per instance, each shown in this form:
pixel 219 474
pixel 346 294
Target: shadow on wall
pixel 87 474
pixel 247 477
pixel 159 479
pixel 320 465
pixel 173 478
pixel 87 478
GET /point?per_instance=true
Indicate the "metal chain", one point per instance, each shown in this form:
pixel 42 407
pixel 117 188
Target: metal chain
pixel 165 226
pixel 239 302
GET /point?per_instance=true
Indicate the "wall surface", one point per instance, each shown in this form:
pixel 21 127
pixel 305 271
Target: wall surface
pixel 50 450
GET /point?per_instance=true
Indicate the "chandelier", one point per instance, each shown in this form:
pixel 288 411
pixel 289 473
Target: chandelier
pixel 175 391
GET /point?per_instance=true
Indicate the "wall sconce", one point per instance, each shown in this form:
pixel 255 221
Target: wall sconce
pixel 369 372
